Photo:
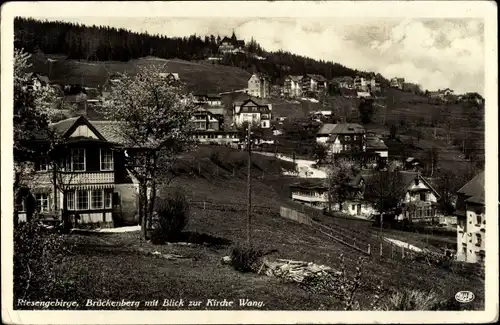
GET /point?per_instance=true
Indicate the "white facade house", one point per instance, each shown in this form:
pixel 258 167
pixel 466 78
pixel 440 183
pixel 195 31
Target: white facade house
pixel 419 200
pixel 471 221
pixel 292 86
pixel 252 111
pixel 310 193
pixel 259 86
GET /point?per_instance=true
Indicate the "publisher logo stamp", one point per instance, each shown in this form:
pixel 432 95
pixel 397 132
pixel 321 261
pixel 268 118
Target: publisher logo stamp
pixel 464 296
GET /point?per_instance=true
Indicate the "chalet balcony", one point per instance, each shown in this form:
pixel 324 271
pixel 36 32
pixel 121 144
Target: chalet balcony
pixel 308 198
pixel 87 178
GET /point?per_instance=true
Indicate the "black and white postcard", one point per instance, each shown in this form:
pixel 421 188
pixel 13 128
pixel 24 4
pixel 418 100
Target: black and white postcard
pixel 250 162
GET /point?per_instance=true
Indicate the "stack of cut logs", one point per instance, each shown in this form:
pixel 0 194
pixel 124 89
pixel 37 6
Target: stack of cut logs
pixel 295 270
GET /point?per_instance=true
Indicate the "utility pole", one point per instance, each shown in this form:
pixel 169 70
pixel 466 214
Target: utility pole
pixel 249 185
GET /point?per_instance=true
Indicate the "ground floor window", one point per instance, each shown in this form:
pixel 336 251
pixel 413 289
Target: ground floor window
pixel 96 199
pixel 42 202
pixel 89 199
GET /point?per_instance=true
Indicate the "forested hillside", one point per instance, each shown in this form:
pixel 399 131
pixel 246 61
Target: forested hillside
pixel 99 43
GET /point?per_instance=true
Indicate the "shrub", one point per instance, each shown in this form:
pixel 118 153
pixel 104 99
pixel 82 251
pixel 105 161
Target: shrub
pixel 245 258
pixel 37 252
pixel 413 300
pixel 171 217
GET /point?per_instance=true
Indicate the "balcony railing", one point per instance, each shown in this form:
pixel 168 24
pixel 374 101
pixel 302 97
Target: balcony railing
pixel 80 178
pixel 309 198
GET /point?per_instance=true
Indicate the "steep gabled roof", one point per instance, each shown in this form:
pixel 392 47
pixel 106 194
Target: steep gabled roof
pixel 373 142
pixel 348 92
pixel 475 187
pixel 326 129
pixel 295 78
pixel 348 128
pixel 310 184
pixel 317 77
pixel 257 101
pixel 63 126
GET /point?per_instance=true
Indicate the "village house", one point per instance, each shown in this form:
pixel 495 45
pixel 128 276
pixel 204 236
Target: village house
pixel 205 99
pixel 362 84
pixel 342 138
pixel 377 146
pixel 320 115
pixel 348 93
pixel 471 221
pixel 93 176
pixel 344 82
pixel 204 120
pixel 313 83
pixel 442 94
pixel 311 192
pixel 259 85
pixel 37 81
pixel 374 85
pixel 254 111
pixel 170 75
pixel 364 94
pixel 419 200
pixel 397 82
pixel 292 86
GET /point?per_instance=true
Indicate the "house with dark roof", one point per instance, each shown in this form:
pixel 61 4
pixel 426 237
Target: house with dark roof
pixel 313 83
pixel 342 138
pixel 345 82
pixel 418 202
pixel 348 93
pixel 471 221
pixel 228 45
pixel 93 180
pixel 252 110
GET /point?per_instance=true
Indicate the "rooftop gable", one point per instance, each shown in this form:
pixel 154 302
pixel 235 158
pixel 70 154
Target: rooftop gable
pixel 475 187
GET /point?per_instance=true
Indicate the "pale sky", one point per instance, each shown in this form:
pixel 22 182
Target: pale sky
pixel 436 53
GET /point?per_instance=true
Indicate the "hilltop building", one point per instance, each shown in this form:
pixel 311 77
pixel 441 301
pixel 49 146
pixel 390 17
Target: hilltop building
pixel 231 45
pixel 471 221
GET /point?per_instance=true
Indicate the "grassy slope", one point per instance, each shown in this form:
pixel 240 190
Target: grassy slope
pixel 199 76
pixel 115 270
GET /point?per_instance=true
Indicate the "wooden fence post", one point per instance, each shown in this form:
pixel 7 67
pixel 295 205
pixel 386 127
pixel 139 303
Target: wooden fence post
pixel 369 251
pixel 354 242
pixel 392 251
pixel 402 251
pixel 380 249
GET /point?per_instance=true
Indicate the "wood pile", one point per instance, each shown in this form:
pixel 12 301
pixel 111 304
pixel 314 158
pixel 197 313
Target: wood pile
pixel 296 271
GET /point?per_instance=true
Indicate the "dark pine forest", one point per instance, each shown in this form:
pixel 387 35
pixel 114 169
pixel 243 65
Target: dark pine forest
pixel 101 43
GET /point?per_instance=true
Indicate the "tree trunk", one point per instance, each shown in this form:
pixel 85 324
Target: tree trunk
pixel 64 214
pixel 142 217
